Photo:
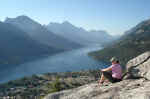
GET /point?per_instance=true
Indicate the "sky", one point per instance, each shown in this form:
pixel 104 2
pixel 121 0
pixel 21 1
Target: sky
pixel 114 16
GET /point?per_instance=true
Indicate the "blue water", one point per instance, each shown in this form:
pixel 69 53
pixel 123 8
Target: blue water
pixel 74 60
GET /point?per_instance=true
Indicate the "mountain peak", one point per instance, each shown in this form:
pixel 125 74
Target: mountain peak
pixel 23 21
pixel 98 31
pixel 66 23
pixel 22 17
pixel 54 23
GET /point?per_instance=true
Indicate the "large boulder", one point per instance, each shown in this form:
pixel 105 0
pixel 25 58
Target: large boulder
pixel 139 66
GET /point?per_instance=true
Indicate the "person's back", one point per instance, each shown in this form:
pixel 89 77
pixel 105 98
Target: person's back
pixel 116 71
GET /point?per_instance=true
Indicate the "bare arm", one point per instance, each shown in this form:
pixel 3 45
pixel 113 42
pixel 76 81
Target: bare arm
pixel 107 69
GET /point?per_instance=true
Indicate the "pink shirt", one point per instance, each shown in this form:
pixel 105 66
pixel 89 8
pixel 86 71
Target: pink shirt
pixel 116 71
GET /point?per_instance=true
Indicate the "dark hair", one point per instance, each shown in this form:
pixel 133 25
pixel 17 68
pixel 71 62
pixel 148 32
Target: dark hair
pixel 117 61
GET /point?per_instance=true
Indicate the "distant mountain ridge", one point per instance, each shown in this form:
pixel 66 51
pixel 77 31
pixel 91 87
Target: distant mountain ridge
pixel 80 35
pixel 60 35
pixel 37 32
pixel 101 35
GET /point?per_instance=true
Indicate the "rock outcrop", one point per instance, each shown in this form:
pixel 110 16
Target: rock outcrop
pixel 132 88
pixel 139 66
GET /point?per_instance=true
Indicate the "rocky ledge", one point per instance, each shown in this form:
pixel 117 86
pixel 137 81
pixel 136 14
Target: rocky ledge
pixel 135 85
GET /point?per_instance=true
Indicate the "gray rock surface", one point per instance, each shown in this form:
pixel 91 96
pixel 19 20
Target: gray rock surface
pixel 140 66
pixel 139 88
pixel 126 89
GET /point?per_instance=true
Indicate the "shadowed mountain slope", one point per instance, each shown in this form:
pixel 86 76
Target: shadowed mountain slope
pixel 133 43
pixel 17 47
pixel 38 32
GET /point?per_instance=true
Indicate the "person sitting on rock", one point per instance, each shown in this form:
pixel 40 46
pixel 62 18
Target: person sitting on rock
pixel 112 73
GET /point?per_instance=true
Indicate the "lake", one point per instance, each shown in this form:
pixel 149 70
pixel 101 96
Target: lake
pixel 74 60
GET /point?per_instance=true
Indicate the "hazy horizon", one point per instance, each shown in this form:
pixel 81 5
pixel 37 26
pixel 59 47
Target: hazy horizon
pixel 115 17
